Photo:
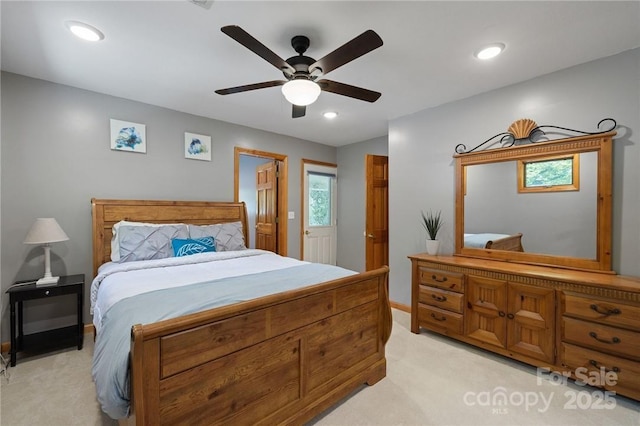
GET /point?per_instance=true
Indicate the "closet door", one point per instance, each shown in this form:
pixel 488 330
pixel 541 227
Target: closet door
pixel 485 313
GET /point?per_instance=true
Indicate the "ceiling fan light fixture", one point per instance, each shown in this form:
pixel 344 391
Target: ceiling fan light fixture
pixel 301 92
pixel 84 31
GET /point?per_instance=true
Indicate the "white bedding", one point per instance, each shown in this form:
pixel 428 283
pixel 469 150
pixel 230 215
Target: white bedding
pixel 112 285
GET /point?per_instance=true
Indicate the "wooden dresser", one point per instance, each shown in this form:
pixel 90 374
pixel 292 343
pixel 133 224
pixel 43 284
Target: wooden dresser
pixel 565 320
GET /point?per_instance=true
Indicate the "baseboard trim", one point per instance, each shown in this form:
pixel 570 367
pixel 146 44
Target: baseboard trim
pixel 400 306
pixel 6 346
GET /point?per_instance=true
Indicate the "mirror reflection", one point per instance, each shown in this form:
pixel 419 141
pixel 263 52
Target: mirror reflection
pixel 498 216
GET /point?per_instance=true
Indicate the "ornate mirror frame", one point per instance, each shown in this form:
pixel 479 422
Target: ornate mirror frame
pixel 599 142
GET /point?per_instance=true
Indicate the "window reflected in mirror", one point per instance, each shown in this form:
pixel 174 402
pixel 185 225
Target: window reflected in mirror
pixel 549 174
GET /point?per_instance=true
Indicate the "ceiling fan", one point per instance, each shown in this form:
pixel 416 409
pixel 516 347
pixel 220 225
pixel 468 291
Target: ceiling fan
pixel 303 74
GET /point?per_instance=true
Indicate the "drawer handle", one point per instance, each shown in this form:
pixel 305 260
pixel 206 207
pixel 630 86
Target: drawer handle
pixel 595 364
pixel 439 298
pixel 438 319
pixel 595 336
pixel 501 314
pixel 46 293
pixel 607 312
pixel 443 280
pixel 510 316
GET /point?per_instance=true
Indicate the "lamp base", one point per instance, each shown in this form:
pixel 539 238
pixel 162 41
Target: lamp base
pixel 47 281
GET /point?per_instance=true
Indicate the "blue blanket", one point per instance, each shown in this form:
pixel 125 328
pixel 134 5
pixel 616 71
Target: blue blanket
pixel 111 354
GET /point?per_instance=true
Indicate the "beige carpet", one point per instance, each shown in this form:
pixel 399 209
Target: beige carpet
pixel 431 380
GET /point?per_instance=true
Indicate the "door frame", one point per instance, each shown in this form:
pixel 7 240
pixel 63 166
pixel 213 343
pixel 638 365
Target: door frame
pixel 304 162
pixel 283 198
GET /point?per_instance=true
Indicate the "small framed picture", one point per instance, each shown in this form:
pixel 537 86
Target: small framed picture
pixel 197 147
pixel 128 136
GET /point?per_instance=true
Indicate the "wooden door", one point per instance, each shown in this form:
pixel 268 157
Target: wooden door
pixel 267 201
pixel 377 212
pixel 530 325
pixel 486 305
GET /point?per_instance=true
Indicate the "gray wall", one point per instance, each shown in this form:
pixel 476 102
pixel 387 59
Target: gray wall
pixel 351 200
pixel 56 157
pixel 421 146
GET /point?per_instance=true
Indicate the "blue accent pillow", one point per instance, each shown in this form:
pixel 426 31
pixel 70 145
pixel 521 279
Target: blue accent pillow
pixel 192 246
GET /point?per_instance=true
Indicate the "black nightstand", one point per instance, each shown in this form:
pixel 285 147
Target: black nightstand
pixel 51 339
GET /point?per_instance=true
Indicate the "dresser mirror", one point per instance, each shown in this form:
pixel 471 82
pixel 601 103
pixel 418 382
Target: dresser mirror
pixel 568 225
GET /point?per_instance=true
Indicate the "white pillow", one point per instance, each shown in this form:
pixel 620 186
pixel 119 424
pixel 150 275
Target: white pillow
pixel 115 244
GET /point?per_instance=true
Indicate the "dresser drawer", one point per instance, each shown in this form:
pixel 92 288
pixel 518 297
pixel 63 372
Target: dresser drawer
pixel 627 373
pixel 604 311
pixel 450 281
pixel 601 337
pixel 440 318
pixel 441 298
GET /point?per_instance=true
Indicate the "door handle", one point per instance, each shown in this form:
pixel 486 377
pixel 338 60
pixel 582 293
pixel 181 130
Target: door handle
pixel 306 232
pixel 370 236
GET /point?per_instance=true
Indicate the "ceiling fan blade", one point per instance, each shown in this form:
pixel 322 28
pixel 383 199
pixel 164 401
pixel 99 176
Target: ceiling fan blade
pixel 348 90
pixel 248 41
pixel 298 111
pixel 248 87
pixel 364 43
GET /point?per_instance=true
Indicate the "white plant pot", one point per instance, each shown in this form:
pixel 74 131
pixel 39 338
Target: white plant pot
pixel 432 246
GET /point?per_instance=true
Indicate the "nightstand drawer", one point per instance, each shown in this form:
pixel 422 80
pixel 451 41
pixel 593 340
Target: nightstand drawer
pixel 440 318
pixel 441 298
pixel 627 373
pixel 600 310
pixel 450 281
pixel 45 292
pixel 601 337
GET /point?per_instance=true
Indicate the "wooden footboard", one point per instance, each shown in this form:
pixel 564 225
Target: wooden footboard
pixel 280 359
pixel 510 243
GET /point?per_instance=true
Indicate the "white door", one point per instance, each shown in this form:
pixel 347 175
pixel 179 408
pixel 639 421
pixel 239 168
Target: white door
pixel 319 213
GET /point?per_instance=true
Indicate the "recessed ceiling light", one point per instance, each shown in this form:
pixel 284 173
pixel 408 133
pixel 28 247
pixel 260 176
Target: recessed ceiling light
pixel 330 114
pixel 84 31
pixel 490 51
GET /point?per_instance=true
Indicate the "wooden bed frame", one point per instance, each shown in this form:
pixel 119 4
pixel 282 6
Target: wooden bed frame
pixel 278 359
pixel 510 243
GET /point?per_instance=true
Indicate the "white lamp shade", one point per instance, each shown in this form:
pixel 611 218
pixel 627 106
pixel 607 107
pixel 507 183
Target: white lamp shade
pixel 301 92
pixel 45 230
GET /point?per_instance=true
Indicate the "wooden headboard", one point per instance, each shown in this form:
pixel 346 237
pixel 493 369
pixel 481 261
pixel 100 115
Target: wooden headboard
pixel 107 212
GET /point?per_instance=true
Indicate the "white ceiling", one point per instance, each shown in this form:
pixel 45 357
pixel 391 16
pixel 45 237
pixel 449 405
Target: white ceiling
pixel 173 54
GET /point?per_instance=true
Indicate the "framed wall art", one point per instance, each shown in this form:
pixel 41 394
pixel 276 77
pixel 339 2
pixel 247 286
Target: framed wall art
pixel 197 147
pixel 128 136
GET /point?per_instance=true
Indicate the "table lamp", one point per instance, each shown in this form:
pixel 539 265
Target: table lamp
pixel 46 231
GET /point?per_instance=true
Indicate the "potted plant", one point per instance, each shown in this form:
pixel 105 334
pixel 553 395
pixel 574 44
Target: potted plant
pixel 432 222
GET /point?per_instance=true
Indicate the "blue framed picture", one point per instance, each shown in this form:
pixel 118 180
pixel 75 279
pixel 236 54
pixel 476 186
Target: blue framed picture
pixel 197 147
pixel 128 136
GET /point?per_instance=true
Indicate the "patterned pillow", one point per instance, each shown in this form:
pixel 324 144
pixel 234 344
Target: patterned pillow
pixel 228 236
pixel 115 239
pixel 148 242
pixel 192 246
